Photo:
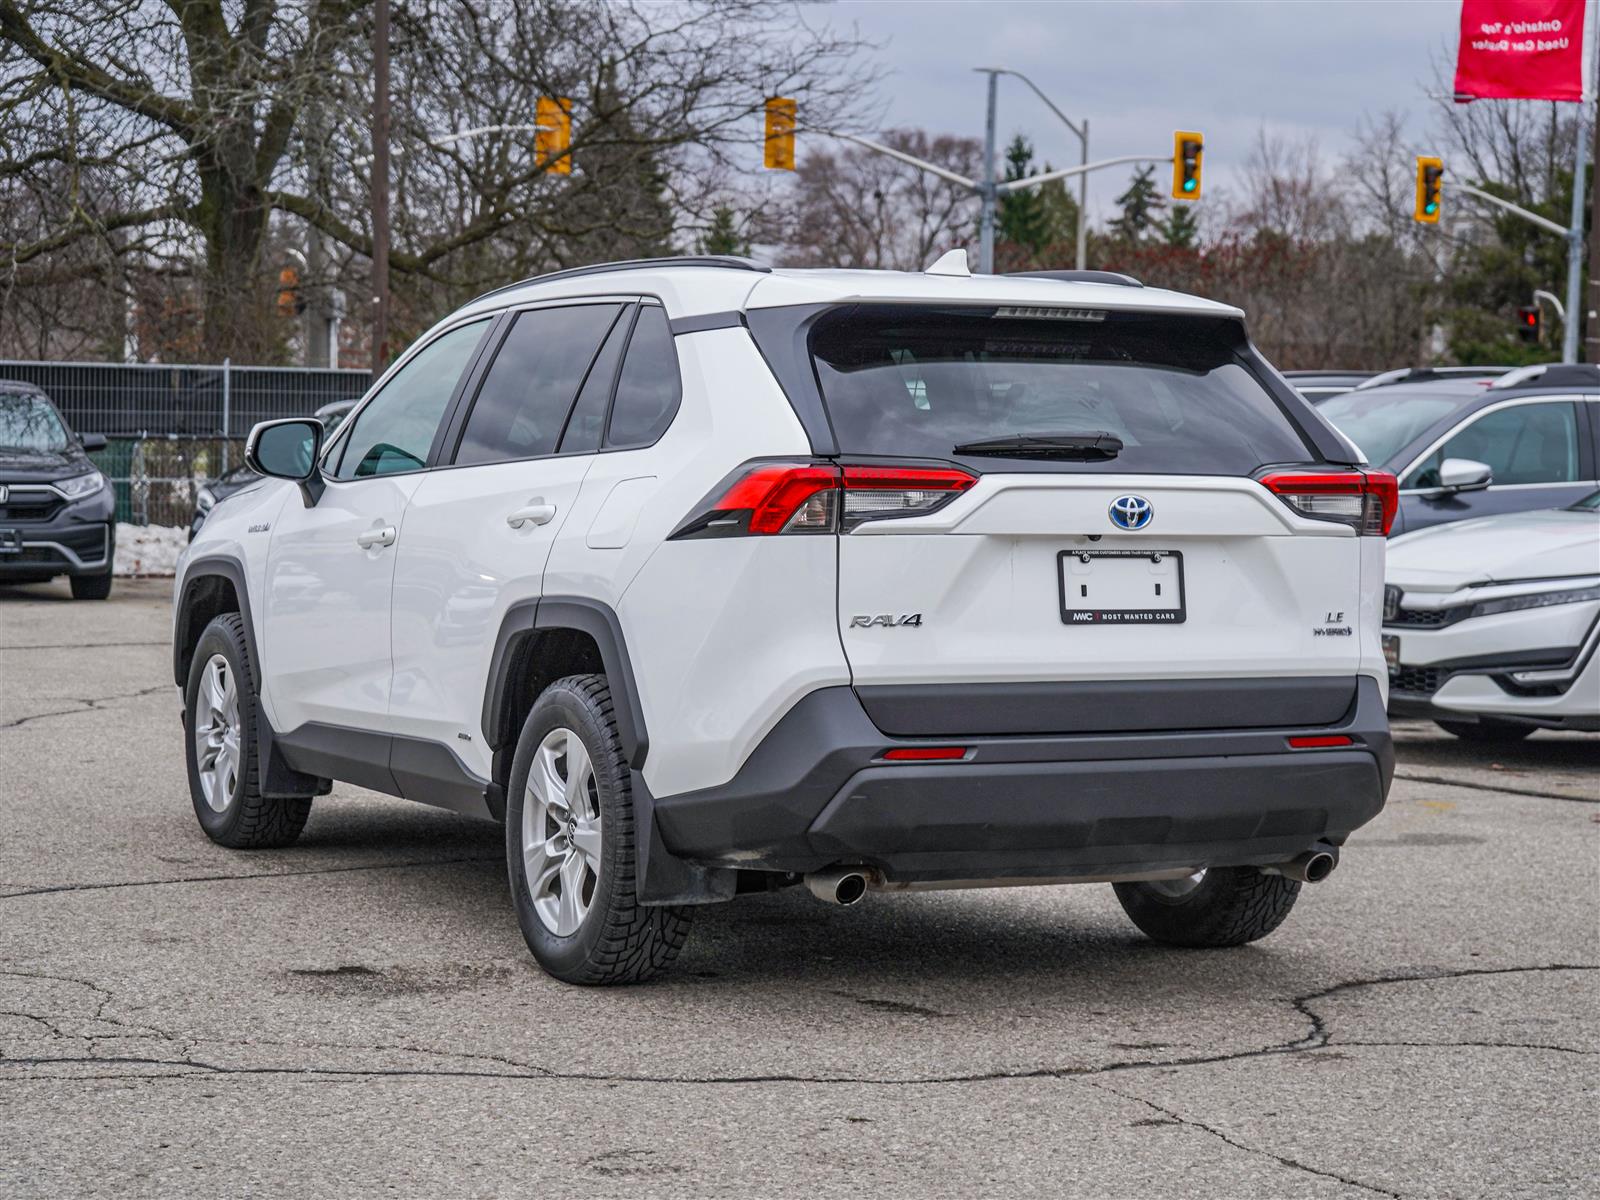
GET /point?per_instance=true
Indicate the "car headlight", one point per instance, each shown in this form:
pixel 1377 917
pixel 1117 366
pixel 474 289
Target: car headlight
pixel 1534 600
pixel 80 486
pixel 205 500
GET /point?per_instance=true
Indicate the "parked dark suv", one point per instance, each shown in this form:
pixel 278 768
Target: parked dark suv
pixel 56 510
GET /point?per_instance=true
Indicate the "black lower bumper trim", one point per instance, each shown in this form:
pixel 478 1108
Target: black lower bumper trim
pixel 816 791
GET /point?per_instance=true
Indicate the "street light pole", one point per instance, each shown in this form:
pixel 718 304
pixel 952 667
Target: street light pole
pixel 380 187
pixel 987 188
pixel 1081 131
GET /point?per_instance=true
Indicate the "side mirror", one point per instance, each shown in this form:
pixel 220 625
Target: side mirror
pixel 288 449
pixel 1464 475
pixel 93 441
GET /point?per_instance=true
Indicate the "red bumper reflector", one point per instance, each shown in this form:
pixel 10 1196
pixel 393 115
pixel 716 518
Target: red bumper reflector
pixel 1320 742
pixel 924 753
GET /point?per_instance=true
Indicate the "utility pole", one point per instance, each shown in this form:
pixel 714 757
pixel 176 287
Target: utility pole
pixel 1591 343
pixel 987 192
pixel 1575 289
pixel 380 187
pixel 1569 329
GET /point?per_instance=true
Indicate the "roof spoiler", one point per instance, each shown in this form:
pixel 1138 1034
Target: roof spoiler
pixel 1115 278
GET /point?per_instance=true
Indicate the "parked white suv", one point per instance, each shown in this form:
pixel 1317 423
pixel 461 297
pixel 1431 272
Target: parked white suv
pixel 706 578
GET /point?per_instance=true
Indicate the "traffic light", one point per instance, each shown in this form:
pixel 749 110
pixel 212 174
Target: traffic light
pixel 1187 151
pixel 1430 175
pixel 1528 323
pixel 552 141
pixel 779 151
pixel 288 292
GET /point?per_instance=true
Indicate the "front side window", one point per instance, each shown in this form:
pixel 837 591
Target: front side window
pixel 29 422
pixel 530 388
pixel 395 431
pixel 904 381
pixel 1525 443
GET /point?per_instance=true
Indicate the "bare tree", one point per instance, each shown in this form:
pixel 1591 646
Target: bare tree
pixel 181 132
pixel 853 207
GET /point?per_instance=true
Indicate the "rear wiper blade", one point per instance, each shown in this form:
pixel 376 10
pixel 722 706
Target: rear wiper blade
pixel 1046 445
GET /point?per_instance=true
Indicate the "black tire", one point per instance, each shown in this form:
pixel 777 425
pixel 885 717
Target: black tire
pixel 248 820
pixel 1228 907
pixel 618 939
pixel 1486 732
pixel 91 587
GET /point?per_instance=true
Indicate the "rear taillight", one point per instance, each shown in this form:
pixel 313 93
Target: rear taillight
pixel 1364 500
pixel 872 493
pixel 815 497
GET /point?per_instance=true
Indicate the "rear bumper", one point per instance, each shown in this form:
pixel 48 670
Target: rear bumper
pixel 817 792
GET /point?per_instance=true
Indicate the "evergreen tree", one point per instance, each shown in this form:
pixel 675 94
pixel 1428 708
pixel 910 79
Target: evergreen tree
pixel 1023 219
pixel 1180 229
pixel 724 235
pixel 1141 204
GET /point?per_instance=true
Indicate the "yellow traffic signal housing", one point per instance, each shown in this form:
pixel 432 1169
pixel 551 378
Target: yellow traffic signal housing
pixel 779 151
pixel 288 292
pixel 1430 177
pixel 552 141
pixel 1188 149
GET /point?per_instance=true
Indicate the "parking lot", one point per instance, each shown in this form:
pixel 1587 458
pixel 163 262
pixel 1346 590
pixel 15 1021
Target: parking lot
pixel 360 1013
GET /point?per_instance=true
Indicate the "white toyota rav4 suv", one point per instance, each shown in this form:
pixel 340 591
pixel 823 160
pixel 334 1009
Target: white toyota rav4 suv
pixel 706 578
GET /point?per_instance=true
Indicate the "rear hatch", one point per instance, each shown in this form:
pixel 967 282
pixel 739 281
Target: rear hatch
pixel 1108 524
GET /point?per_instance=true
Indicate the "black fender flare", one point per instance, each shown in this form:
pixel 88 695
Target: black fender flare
pixel 278 778
pixel 209 566
pixel 592 617
pixel 662 878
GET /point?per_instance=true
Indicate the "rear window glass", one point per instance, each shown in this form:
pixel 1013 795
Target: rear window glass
pixel 916 382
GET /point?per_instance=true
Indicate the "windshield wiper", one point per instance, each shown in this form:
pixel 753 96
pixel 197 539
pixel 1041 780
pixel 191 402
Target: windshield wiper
pixel 1085 446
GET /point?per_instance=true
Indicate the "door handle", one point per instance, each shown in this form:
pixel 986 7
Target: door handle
pixel 536 513
pixel 376 537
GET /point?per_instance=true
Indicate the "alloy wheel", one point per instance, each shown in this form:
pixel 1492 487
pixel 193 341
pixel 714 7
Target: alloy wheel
pixel 561 836
pixel 217 733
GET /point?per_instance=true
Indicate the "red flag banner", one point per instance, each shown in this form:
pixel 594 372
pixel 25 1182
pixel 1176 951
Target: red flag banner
pixel 1520 50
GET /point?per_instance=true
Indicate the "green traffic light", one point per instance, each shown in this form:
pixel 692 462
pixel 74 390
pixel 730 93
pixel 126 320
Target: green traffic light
pixel 1188 185
pixel 1430 208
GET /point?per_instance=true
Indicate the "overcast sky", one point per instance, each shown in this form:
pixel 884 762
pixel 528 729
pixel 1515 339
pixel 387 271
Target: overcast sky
pixel 1138 69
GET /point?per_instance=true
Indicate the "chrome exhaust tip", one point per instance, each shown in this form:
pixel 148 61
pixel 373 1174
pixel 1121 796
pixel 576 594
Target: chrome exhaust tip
pixel 1311 867
pixel 838 885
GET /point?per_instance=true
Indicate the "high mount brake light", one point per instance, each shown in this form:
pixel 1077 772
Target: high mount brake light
pixel 794 497
pixel 1364 500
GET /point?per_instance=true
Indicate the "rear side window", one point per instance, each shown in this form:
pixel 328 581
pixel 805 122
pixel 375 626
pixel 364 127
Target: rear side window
pixel 529 389
pixel 648 389
pixel 902 381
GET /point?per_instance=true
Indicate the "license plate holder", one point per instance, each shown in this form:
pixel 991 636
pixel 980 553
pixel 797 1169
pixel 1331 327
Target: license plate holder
pixel 1121 587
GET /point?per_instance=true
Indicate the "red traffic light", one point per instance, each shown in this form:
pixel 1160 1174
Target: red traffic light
pixel 1528 322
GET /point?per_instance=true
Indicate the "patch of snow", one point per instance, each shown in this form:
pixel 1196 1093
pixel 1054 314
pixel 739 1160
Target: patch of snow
pixel 149 549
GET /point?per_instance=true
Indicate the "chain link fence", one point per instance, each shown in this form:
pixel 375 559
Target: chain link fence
pixel 172 429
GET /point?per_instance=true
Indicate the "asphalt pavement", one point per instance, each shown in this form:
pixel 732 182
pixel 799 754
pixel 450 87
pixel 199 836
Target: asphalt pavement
pixel 358 1014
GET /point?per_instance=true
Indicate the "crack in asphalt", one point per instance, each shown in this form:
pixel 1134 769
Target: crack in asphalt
pixel 93 704
pixel 1491 787
pixel 1319 1038
pixel 1295 1164
pixel 56 889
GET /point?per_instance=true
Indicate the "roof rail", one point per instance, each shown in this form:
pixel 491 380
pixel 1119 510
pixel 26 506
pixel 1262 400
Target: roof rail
pixel 1113 277
pixel 1551 375
pixel 727 262
pixel 1423 374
